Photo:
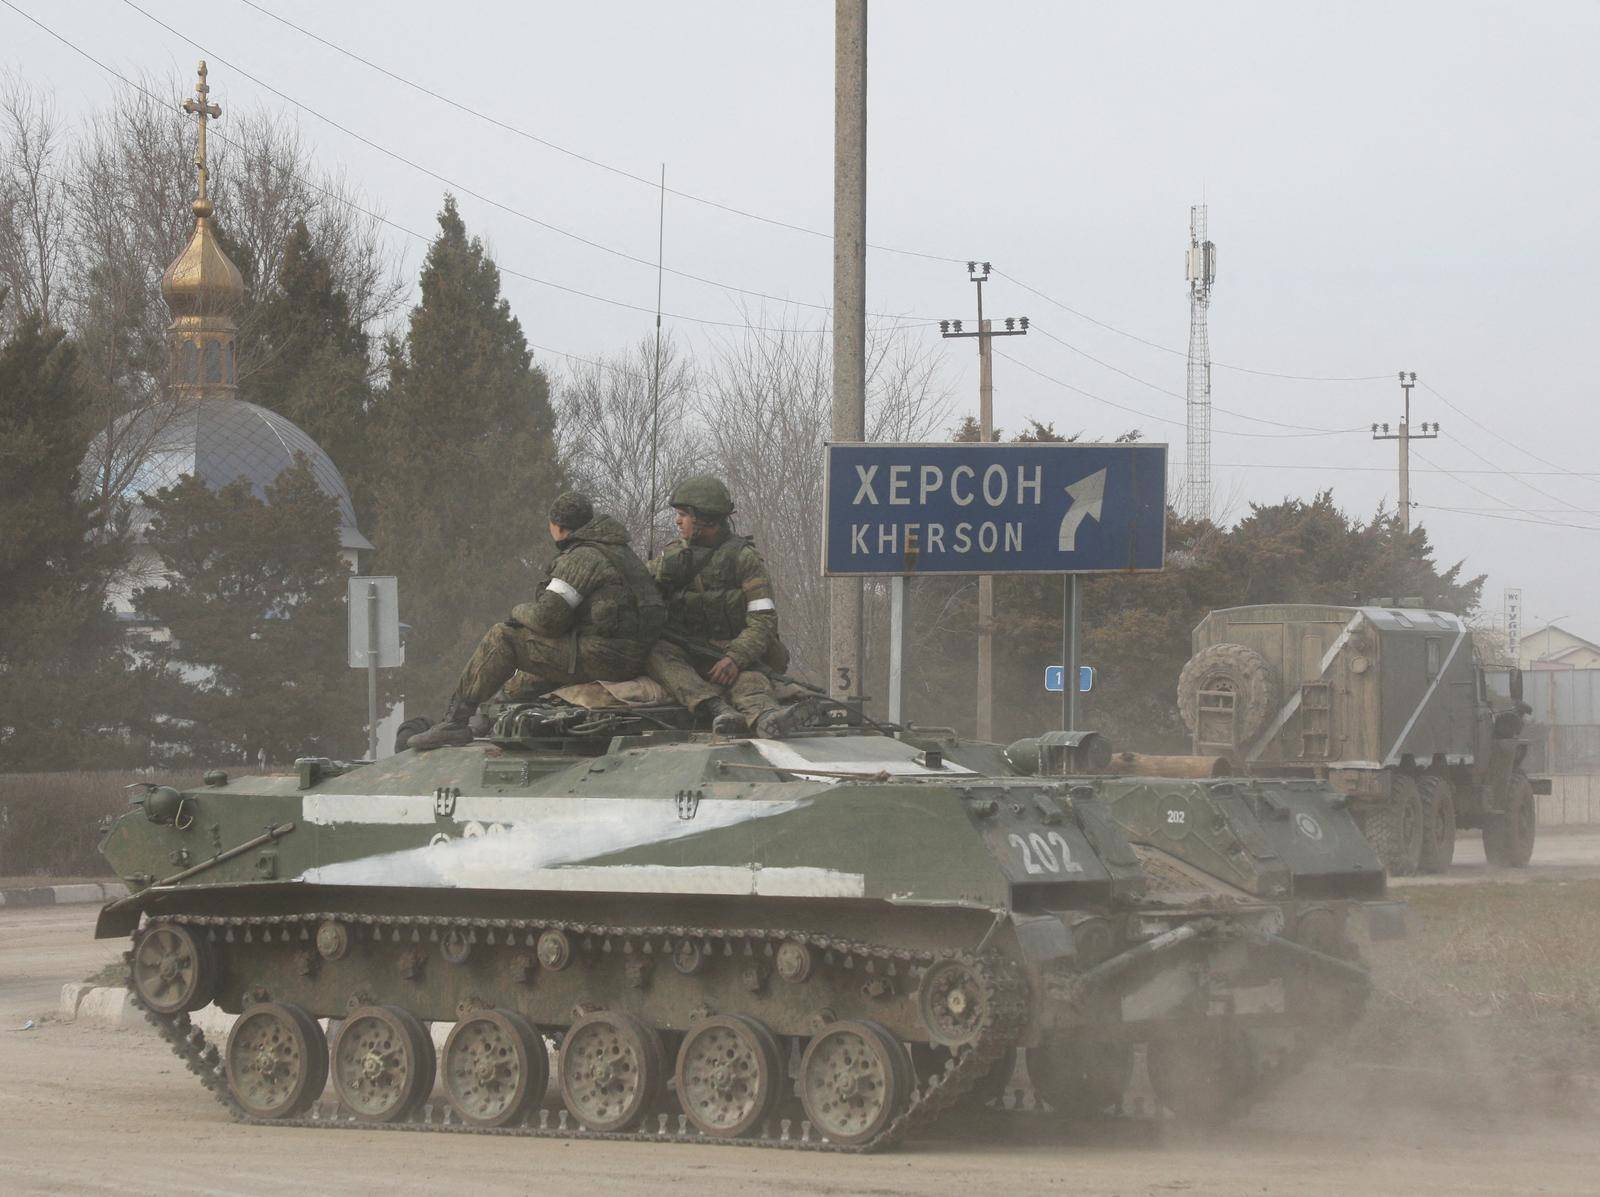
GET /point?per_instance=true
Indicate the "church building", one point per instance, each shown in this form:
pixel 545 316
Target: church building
pixel 200 426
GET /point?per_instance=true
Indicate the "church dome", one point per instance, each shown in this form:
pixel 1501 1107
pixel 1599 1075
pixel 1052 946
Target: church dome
pixel 219 441
pixel 202 282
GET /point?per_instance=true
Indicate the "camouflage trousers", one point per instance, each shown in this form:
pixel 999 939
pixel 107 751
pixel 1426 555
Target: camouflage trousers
pixel 751 693
pixel 541 664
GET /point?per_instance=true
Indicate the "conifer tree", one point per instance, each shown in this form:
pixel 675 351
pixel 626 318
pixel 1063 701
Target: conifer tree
pixel 253 656
pixel 62 674
pixel 311 358
pixel 469 463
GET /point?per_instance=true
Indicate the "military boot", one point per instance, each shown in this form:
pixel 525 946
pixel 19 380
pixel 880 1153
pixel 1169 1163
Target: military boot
pixel 454 731
pixel 725 721
pixel 784 721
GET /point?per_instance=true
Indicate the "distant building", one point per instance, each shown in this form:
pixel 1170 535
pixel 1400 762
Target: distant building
pixel 1552 647
pixel 200 426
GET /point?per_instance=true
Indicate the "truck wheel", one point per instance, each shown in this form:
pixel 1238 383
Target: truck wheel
pixel 1508 838
pixel 1438 824
pixel 1395 828
pixel 1235 668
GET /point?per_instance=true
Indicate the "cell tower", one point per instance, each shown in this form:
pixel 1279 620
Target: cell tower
pixel 1202 272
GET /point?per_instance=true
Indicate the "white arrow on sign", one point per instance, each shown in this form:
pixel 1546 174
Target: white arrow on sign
pixel 1088 496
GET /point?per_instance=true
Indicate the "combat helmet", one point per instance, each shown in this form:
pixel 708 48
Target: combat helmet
pixel 704 495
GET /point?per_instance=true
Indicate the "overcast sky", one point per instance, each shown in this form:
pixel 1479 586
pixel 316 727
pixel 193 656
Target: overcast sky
pixel 1391 186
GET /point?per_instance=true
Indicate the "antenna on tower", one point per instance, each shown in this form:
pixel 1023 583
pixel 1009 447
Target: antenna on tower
pixel 1202 272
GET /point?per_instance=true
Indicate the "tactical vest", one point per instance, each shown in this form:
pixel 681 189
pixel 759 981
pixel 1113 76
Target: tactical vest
pixel 715 608
pixel 626 607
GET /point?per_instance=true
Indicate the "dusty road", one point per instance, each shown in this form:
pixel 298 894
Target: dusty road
pixel 92 1110
pixel 1558 853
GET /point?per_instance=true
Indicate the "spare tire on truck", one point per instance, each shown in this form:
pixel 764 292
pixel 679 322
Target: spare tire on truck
pixel 1241 671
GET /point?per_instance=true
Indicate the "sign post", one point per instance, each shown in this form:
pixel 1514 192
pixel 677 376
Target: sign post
pixel 898 510
pixel 374 614
pixel 899 634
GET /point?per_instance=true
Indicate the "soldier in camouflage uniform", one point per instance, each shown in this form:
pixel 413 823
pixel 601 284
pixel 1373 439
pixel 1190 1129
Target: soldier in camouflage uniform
pixel 594 619
pixel 721 639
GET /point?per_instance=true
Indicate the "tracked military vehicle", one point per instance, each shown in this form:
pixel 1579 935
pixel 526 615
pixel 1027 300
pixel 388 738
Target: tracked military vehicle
pixel 832 941
pixel 1389 704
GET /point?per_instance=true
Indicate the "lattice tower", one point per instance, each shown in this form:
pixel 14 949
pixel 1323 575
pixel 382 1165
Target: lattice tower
pixel 1202 272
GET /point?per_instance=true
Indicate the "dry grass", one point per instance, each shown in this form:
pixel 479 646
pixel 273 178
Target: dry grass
pixel 49 822
pixel 1493 977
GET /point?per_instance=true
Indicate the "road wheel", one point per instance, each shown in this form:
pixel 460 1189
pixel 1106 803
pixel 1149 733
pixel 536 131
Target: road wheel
pixel 494 1068
pixel 729 1075
pixel 612 1070
pixel 1508 838
pixel 277 1061
pixel 1239 670
pixel 383 1063
pixel 1438 824
pixel 854 1079
pixel 1394 827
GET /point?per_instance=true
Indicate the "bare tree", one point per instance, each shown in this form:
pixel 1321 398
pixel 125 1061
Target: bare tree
pixel 767 408
pixel 33 200
pixel 133 180
pixel 606 421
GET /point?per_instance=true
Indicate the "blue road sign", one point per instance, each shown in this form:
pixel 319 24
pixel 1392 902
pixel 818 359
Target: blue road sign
pixel 1053 679
pixel 994 509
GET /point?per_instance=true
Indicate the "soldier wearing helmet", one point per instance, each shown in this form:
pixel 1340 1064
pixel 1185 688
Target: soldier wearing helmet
pixel 721 638
pixel 594 619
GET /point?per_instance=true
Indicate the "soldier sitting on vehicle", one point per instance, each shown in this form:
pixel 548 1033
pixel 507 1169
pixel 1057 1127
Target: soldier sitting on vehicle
pixel 594 619
pixel 721 640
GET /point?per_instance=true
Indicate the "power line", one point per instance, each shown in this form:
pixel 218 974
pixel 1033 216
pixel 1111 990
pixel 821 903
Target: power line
pixel 1526 452
pixel 409 232
pixel 480 196
pixel 1531 517
pixel 1122 332
pixel 1163 419
pixel 1509 518
pixel 585 158
pixel 1036 327
pixel 1359 469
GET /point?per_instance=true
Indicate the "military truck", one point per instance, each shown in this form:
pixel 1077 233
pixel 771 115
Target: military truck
pixel 837 941
pixel 1388 703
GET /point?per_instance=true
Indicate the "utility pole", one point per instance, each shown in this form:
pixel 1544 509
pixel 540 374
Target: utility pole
pixel 845 647
pixel 978 274
pixel 1405 436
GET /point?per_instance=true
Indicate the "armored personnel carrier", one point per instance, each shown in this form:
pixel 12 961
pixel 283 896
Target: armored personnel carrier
pixel 1389 704
pixel 831 941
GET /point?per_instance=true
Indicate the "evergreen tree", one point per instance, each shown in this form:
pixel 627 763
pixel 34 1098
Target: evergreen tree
pixel 253 656
pixel 62 676
pixel 469 464
pixel 311 358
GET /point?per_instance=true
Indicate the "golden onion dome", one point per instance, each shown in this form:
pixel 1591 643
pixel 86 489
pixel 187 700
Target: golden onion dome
pixel 201 280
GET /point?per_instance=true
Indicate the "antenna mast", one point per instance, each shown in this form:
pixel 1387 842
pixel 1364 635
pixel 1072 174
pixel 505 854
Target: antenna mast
pixel 1202 272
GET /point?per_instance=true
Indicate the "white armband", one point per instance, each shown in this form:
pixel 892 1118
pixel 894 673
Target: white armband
pixel 569 594
pixel 761 605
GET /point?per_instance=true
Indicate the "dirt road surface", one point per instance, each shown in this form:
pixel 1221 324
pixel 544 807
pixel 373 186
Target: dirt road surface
pixel 1558 854
pixel 92 1110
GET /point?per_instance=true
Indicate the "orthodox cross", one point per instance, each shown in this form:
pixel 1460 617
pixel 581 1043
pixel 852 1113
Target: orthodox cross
pixel 198 107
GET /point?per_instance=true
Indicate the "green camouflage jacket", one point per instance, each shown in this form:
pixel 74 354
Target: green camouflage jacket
pixel 720 595
pixel 597 586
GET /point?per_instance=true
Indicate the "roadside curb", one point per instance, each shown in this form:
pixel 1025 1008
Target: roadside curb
pixel 64 895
